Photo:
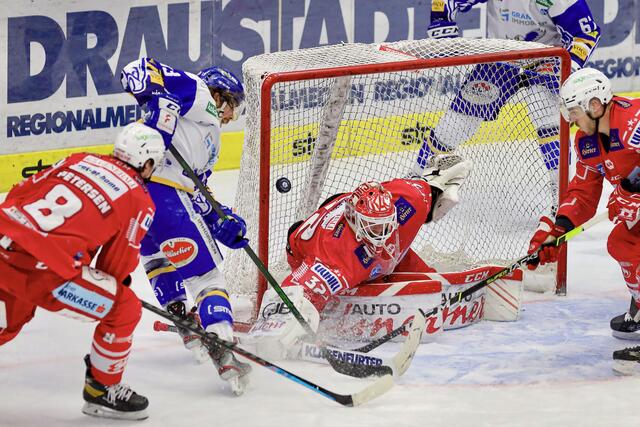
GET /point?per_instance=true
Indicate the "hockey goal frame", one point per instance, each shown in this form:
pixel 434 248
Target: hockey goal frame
pixel 416 64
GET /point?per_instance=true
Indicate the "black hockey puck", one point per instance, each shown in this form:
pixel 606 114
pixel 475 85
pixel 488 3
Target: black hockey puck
pixel 283 185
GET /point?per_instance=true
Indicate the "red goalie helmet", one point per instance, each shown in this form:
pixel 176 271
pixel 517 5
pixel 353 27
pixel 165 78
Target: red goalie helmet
pixel 372 215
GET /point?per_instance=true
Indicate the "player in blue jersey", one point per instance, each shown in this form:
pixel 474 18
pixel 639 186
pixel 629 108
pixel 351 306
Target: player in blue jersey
pixel 565 23
pixel 180 252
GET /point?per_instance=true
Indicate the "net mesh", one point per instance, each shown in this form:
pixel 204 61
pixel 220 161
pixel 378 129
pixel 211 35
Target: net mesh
pixel 330 134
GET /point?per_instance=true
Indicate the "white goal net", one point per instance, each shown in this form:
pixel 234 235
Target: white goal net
pixel 320 121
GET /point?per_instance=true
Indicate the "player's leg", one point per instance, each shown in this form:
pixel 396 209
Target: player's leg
pixel 544 115
pixel 622 245
pixel 187 243
pixel 96 296
pixel 482 95
pixel 14 312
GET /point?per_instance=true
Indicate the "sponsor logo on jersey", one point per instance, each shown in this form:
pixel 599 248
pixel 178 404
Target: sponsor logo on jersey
pixel 480 92
pixel 404 210
pixel 615 144
pixel 179 251
pixel 211 109
pixel 328 277
pixel 339 229
pixel 580 51
pixel 363 256
pixel 634 141
pixel 81 299
pixel 588 147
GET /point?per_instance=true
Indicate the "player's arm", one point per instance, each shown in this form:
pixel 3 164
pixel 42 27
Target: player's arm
pixel 443 17
pixel 581 201
pixel 580 32
pixel 120 256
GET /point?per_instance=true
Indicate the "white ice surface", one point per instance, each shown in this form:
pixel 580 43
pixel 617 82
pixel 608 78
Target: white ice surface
pixel 551 368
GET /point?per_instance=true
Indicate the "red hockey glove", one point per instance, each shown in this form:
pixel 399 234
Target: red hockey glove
pixel 624 205
pixel 543 239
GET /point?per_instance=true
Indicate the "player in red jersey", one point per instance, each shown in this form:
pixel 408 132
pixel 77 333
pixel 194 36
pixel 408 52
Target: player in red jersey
pixel 51 227
pixel 608 147
pixel 354 238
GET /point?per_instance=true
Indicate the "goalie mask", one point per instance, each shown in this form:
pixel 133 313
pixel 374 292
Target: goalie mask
pixel 372 215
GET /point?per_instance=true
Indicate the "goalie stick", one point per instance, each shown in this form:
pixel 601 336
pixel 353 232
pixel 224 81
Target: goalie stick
pixel 358 371
pixel 310 352
pixel 379 387
pixel 519 263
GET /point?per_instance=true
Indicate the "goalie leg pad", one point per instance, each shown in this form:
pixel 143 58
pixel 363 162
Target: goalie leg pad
pixel 277 333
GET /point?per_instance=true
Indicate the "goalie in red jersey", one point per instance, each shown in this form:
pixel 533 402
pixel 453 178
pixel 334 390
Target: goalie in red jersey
pixel 608 147
pixel 51 227
pixel 354 238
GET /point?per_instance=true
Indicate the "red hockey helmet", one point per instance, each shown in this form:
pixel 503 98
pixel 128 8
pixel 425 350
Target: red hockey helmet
pixel 371 214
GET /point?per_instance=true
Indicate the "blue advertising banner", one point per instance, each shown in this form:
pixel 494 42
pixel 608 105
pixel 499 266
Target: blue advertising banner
pixel 61 62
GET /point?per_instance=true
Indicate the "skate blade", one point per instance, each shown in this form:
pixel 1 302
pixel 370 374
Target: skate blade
pixel 629 336
pixel 100 411
pixel 626 367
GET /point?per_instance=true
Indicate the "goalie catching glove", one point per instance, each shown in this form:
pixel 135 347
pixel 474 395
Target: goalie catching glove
pixel 544 238
pixel 446 173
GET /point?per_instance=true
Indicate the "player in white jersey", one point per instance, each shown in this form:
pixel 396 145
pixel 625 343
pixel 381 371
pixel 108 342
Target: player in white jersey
pixel 180 252
pixel 565 23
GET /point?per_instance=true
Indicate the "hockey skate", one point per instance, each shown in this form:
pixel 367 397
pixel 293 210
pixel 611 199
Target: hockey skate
pixel 627 326
pixel 191 341
pixel 116 401
pixel 627 361
pixel 230 369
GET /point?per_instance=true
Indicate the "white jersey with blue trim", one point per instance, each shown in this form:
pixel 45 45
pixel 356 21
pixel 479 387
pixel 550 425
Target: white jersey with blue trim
pixel 197 135
pixel 564 23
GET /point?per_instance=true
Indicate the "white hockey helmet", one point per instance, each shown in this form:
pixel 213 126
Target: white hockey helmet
pixel 137 143
pixel 581 87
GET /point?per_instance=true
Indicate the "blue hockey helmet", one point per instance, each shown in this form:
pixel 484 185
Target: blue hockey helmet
pixel 226 82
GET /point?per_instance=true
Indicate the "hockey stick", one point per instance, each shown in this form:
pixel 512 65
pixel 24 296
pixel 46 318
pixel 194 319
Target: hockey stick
pixel 519 263
pixel 398 363
pixel 312 353
pixel 379 387
pixel 342 367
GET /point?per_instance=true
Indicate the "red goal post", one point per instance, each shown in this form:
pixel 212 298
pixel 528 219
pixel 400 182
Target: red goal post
pixel 323 120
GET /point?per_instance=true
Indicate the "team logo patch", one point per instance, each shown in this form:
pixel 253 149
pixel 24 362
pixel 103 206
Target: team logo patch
pixel 480 92
pixel 404 210
pixel 363 256
pixel 179 251
pixel 81 299
pixel 588 147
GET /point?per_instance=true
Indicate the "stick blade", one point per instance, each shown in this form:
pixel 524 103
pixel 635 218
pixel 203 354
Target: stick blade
pixel 403 359
pixel 372 391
